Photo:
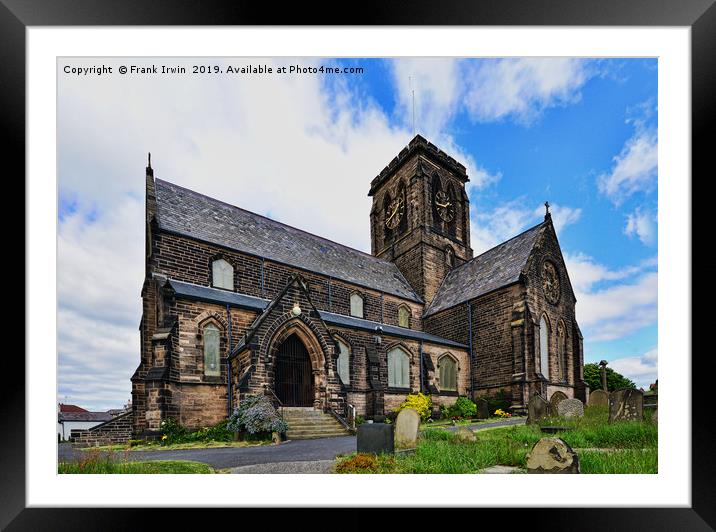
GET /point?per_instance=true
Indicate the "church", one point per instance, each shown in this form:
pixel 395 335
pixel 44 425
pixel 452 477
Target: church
pixel 235 303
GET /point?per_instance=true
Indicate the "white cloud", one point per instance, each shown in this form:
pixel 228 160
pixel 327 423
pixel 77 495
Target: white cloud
pixel 641 369
pixel 434 84
pixel 522 88
pixel 641 223
pixel 612 303
pixel 488 229
pixel 635 168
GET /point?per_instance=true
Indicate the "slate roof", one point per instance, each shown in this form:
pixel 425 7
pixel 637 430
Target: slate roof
pixel 216 295
pixel 205 293
pixel 495 268
pixel 84 416
pixel 188 213
pixel 391 330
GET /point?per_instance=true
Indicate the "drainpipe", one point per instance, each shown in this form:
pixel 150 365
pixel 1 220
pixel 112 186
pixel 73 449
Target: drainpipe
pixel 228 365
pixel 469 343
pixel 263 289
pixel 330 300
pixel 420 350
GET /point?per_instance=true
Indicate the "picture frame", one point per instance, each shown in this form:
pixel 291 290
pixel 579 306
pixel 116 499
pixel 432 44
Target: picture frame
pixel 699 15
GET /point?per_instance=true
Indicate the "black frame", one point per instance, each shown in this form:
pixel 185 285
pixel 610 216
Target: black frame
pixel 699 15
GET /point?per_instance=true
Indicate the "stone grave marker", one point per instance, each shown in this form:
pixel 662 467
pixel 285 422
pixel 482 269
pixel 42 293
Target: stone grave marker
pixel 557 397
pixel 483 409
pixel 570 408
pixel 655 416
pixel 626 404
pixel 376 438
pixel 599 398
pixel 406 429
pixel 465 435
pixel 552 455
pixel 537 409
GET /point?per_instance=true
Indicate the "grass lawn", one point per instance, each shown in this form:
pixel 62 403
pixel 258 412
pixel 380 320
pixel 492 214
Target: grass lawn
pixel 156 446
pixel 103 466
pixel 624 447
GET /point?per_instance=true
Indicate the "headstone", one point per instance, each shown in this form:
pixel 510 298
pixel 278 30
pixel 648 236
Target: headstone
pixel 599 398
pixel 376 438
pixel 626 404
pixel 483 409
pixel 537 409
pixel 570 408
pixel 406 429
pixel 603 374
pixel 465 435
pixel 655 416
pixel 552 455
pixel 557 397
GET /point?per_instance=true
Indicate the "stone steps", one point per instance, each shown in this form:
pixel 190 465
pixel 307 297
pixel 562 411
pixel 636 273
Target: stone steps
pixel 306 423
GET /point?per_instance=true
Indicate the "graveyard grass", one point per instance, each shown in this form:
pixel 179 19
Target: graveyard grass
pixel 628 447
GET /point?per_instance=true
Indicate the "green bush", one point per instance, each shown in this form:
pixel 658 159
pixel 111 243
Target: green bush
pixel 499 401
pixel 173 432
pixel 462 408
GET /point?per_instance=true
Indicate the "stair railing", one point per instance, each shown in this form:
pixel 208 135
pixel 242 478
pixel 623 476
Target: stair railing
pixel 280 404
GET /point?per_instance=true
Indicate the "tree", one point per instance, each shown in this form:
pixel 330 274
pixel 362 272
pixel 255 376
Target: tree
pixel 615 380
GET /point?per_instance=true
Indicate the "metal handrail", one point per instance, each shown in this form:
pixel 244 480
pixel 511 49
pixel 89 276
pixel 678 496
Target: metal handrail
pixel 280 404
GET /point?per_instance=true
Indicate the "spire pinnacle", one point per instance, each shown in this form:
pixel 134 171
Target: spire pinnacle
pixel 546 209
pixel 149 159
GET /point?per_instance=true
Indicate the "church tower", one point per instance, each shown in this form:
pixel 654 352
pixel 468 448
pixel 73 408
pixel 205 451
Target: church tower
pixel 420 218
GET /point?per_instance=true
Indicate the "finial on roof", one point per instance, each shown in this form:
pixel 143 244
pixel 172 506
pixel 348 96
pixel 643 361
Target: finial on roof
pixel 149 159
pixel 546 208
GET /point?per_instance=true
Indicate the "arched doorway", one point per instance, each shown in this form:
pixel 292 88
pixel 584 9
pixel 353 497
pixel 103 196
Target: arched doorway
pixel 293 376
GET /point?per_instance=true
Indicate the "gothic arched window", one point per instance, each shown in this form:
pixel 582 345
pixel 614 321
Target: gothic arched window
pixel 398 368
pixel 447 368
pixel 544 347
pixel 222 274
pixel 403 316
pixel 356 305
pixel 562 351
pixel 343 362
pixel 210 336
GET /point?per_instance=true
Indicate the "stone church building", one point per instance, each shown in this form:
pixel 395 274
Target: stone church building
pixel 235 303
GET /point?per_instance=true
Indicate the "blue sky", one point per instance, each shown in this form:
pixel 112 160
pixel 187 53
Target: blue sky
pixel 579 133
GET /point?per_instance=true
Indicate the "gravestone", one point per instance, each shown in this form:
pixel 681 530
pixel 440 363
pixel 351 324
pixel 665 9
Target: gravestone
pixel 406 429
pixel 655 416
pixel 483 409
pixel 625 405
pixel 465 435
pixel 537 409
pixel 599 398
pixel 376 438
pixel 557 397
pixel 570 408
pixel 552 455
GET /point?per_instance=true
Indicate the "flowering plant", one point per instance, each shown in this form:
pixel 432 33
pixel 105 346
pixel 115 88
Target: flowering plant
pixel 501 413
pixel 256 414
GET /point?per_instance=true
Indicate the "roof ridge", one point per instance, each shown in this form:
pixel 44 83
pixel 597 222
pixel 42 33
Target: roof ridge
pixel 378 259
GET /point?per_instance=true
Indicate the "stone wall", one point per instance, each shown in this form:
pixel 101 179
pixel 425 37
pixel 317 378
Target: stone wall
pixel 114 431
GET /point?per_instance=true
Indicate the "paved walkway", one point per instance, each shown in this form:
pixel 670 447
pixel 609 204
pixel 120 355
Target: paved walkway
pixel 490 425
pixel 225 457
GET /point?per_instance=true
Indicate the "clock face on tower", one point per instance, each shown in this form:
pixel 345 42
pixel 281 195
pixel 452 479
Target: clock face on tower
pixel 445 208
pixel 394 212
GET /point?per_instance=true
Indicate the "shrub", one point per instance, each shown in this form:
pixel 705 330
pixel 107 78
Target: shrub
pixel 172 432
pixel 360 420
pixel 419 402
pixel 256 414
pixel 499 401
pixel 360 463
pixel 463 407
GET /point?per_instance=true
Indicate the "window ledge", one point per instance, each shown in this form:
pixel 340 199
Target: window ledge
pixel 392 389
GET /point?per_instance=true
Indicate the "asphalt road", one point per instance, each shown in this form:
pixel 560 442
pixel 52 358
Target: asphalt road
pixel 223 457
pixel 290 451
